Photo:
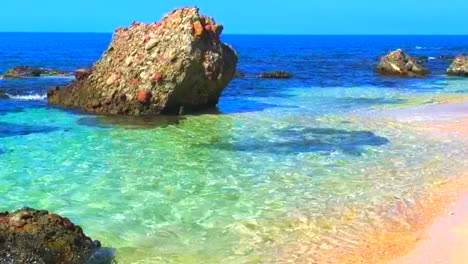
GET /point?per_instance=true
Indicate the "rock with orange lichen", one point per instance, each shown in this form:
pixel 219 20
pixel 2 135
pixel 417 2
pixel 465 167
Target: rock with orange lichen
pixel 179 61
pixel 32 236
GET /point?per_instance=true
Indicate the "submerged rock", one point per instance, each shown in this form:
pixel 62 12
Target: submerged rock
pixel 156 68
pixel 32 236
pixel 399 64
pixel 459 66
pixel 239 75
pixel 276 75
pixel 28 71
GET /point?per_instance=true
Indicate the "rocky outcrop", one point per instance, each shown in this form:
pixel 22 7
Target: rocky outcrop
pixel 32 236
pixel 28 72
pixel 459 66
pixel 276 75
pixel 156 68
pixel 399 64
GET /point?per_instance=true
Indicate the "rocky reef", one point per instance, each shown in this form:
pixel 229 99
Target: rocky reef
pixel 276 75
pixel 33 236
pixel 398 63
pixel 166 67
pixel 29 72
pixel 459 66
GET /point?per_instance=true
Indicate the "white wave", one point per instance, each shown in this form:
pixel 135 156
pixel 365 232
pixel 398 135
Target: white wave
pixel 28 97
pixel 418 47
pixel 432 58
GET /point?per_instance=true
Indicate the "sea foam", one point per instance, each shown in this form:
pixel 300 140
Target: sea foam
pixel 28 97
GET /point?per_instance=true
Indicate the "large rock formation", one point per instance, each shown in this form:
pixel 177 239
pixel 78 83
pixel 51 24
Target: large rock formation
pixel 156 68
pixel 32 236
pixel 399 64
pixel 459 66
pixel 29 71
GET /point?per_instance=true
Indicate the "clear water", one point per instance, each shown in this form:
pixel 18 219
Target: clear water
pixel 280 163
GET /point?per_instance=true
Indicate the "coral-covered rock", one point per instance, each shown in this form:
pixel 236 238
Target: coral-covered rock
pixel 459 66
pixel 178 61
pixel 28 71
pixel 399 64
pixel 276 75
pixel 32 236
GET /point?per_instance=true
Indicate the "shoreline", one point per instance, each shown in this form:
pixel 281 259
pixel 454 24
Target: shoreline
pixel 445 240
pixel 442 233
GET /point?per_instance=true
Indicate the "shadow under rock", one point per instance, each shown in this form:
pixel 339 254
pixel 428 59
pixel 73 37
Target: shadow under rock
pixel 11 130
pixel 130 122
pixel 295 140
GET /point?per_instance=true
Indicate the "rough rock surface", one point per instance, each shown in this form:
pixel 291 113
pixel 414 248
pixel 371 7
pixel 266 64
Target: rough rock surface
pixel 276 75
pixel 459 66
pixel 32 236
pixel 156 68
pixel 399 64
pixel 28 71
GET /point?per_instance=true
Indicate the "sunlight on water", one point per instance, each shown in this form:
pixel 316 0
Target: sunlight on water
pixel 286 170
pixel 237 188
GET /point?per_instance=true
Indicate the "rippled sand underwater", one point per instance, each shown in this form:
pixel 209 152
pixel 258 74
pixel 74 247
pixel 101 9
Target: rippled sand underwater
pixel 290 180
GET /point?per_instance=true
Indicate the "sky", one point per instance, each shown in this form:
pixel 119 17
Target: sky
pixel 245 16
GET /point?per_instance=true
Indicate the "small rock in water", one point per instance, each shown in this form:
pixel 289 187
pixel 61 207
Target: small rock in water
pixel 276 75
pixel 239 75
pixel 399 64
pixel 459 66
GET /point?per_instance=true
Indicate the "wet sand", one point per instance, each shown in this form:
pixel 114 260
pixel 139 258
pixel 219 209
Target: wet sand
pixel 445 241
pixel 438 232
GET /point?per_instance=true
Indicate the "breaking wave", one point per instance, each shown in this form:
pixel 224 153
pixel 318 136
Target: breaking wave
pixel 27 97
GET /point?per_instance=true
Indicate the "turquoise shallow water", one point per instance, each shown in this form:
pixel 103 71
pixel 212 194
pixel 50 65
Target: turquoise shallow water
pixel 283 170
pixel 232 188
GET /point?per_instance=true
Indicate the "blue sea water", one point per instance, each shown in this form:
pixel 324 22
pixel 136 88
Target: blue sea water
pixel 281 163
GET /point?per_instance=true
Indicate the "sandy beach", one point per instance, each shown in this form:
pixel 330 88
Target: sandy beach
pixel 446 239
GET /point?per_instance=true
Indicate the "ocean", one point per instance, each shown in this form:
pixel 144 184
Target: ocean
pixel 279 166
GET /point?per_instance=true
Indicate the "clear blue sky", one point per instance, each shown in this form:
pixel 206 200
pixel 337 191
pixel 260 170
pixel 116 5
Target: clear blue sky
pixel 245 16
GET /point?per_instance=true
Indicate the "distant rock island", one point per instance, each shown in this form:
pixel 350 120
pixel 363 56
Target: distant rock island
pixel 398 63
pixel 168 67
pixel 30 72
